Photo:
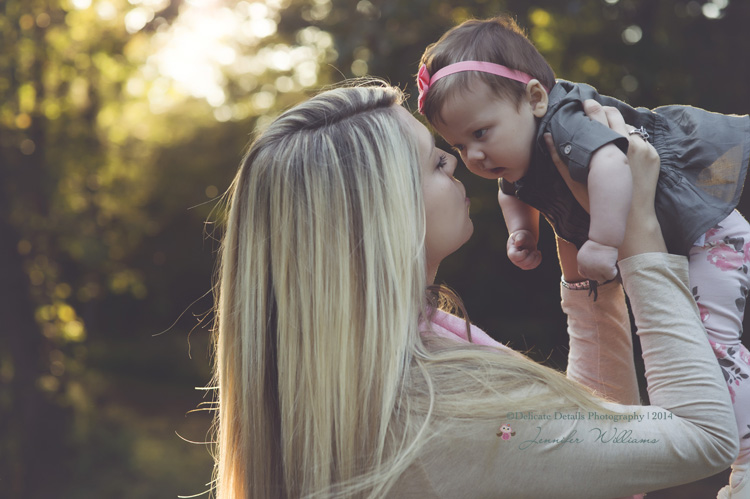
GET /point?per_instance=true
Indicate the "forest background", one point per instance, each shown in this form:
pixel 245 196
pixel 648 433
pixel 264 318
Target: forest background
pixel 123 121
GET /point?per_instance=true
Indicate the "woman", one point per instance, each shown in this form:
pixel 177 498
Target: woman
pixel 337 377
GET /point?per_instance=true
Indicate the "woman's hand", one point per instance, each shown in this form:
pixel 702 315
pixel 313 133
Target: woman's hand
pixel 643 233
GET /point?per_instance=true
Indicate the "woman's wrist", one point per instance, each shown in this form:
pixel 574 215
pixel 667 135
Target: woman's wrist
pixel 590 286
pixel 567 254
pixel 642 236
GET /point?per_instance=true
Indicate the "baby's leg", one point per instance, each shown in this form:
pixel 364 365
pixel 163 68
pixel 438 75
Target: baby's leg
pixel 720 280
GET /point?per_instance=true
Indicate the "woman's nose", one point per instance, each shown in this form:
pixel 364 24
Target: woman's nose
pixel 452 164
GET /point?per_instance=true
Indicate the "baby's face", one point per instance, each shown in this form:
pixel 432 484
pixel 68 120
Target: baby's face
pixel 494 136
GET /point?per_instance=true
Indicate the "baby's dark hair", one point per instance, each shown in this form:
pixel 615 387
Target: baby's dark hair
pixel 499 40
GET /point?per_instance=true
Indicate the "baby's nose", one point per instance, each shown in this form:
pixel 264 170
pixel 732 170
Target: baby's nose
pixel 474 153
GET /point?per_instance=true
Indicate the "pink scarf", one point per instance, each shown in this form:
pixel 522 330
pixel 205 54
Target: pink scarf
pixel 446 325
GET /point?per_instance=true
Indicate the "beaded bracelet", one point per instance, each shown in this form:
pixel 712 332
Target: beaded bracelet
pixel 576 286
pixel 589 284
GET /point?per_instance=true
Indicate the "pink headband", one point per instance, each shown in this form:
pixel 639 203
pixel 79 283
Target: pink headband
pixel 424 80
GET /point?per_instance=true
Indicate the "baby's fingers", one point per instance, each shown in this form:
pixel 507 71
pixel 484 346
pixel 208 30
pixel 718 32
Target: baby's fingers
pixel 533 259
pixel 525 259
pixel 519 238
pixel 598 274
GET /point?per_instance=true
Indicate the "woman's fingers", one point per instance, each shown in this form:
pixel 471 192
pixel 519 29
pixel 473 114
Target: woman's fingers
pixel 595 111
pixel 644 154
pixel 616 121
pixel 606 115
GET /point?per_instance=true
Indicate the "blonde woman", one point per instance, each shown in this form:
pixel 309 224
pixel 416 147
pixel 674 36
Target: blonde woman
pixel 337 377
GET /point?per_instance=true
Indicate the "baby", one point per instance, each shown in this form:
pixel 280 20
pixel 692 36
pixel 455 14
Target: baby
pixel 486 89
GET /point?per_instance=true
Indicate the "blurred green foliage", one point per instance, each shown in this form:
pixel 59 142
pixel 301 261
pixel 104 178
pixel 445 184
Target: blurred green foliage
pixel 120 125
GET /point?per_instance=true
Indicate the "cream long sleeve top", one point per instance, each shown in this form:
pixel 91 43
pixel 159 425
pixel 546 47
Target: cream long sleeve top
pixel 687 432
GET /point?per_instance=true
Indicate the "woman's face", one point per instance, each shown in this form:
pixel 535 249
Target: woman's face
pixel 448 225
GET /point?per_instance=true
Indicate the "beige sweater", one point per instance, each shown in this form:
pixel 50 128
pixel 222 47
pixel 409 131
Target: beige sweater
pixel 686 434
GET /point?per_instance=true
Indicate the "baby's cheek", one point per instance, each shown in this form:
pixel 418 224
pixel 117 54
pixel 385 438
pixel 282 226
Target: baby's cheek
pixel 474 170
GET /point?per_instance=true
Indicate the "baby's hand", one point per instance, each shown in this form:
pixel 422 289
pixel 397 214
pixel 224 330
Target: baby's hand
pixel 522 250
pixel 597 261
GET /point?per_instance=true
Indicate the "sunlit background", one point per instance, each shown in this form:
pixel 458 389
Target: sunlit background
pixel 123 121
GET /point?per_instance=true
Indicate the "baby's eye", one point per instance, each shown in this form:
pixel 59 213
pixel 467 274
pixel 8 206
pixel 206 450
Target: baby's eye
pixel 480 133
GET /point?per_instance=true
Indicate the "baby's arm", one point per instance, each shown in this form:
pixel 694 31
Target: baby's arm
pixel 610 187
pixel 523 226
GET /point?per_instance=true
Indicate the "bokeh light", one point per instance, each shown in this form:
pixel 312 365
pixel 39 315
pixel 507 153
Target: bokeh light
pixel 632 35
pixel 210 44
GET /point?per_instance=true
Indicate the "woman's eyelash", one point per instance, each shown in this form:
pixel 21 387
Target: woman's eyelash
pixel 442 161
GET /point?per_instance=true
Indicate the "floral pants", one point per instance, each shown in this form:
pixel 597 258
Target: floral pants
pixel 720 281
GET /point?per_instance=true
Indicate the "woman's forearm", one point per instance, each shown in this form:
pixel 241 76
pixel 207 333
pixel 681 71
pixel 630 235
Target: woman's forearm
pixel 686 434
pixel 601 344
pixel 681 369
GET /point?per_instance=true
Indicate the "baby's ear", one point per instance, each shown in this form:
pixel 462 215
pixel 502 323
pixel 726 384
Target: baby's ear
pixel 538 98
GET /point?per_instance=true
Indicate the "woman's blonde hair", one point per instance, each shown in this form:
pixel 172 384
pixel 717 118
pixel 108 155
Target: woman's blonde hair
pixel 325 385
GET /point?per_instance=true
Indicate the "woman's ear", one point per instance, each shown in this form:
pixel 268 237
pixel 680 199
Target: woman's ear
pixel 538 98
